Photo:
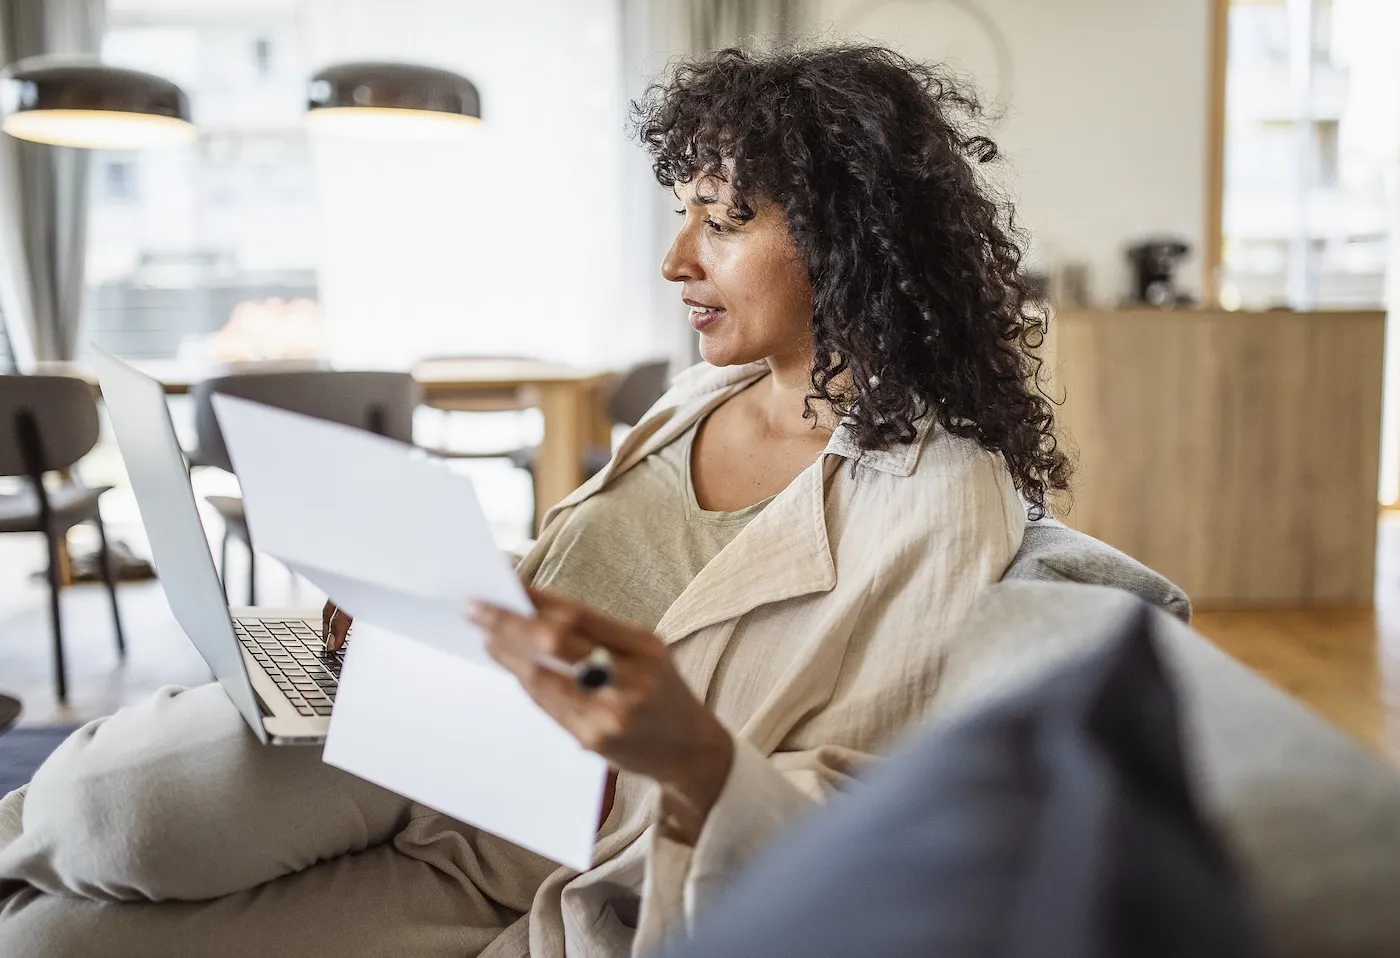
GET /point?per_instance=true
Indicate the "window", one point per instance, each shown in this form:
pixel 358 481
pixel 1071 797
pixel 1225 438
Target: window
pixel 1312 144
pixel 178 238
pixel 1327 162
pixel 119 181
pixel 262 55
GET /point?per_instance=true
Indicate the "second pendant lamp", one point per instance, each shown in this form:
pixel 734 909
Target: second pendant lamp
pixel 392 100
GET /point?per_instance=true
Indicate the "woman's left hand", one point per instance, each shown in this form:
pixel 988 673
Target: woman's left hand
pixel 646 721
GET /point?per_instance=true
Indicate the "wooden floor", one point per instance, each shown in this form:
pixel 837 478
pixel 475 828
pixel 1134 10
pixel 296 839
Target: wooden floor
pixel 158 653
pixel 1345 664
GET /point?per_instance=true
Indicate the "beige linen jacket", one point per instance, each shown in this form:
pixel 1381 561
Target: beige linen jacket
pixel 845 589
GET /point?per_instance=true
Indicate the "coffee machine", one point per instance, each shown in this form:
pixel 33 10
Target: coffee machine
pixel 1155 263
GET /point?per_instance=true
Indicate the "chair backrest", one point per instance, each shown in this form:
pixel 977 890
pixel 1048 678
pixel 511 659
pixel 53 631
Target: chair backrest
pixel 60 412
pixel 637 390
pixel 379 402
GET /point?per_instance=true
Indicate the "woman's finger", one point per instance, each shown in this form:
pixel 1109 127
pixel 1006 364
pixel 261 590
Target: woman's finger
pixel 553 635
pixel 593 718
pixel 612 634
pixel 558 694
pixel 340 629
pixel 335 626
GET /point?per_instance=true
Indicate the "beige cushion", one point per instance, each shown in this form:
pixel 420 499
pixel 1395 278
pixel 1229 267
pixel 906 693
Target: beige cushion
pixel 11 812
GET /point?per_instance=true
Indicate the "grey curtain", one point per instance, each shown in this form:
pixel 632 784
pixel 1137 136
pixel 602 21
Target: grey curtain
pixel 715 24
pixel 43 195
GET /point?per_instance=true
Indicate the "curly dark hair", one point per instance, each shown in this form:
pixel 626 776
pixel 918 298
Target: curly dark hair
pixel 919 299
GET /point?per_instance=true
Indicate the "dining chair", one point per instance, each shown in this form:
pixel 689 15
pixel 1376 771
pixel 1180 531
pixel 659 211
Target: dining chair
pixel 380 402
pixel 48 423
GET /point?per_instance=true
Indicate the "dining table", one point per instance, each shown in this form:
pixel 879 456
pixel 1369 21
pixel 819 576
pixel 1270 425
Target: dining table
pixel 572 400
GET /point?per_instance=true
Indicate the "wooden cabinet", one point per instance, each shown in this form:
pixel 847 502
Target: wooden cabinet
pixel 1235 453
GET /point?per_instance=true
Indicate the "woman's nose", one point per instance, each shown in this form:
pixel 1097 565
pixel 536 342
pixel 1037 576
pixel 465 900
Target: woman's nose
pixel 680 264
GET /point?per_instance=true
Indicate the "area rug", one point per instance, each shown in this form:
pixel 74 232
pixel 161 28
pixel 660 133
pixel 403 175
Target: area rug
pixel 22 750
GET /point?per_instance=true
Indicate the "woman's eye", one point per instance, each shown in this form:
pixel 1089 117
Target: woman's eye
pixel 717 226
pixel 680 212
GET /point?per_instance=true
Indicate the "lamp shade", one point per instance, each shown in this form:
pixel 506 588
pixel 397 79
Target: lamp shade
pixel 392 99
pixel 81 102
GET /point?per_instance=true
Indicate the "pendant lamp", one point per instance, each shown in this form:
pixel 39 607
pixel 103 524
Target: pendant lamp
pixel 79 101
pixel 394 100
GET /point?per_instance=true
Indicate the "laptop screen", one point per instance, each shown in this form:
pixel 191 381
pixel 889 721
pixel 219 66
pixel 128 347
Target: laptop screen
pixel 154 461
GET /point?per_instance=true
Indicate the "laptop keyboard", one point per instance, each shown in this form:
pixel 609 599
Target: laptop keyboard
pixel 295 658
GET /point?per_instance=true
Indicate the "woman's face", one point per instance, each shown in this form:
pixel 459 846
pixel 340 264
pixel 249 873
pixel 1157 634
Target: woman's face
pixel 745 284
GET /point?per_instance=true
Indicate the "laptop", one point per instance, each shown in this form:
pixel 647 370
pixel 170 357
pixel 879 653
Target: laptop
pixel 271 663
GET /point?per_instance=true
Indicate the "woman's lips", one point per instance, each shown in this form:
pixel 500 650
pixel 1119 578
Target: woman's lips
pixel 702 318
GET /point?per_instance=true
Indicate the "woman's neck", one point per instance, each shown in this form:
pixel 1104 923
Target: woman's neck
pixel 781 397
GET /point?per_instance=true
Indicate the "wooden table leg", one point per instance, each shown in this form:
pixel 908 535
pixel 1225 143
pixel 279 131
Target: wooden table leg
pixel 65 558
pixel 65 562
pixel 600 423
pixel 559 468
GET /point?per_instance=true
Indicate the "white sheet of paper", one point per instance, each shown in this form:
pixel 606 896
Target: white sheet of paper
pixel 325 496
pixel 436 622
pixel 401 543
pixel 466 741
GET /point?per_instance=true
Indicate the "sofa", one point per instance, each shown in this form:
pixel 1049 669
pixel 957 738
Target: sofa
pixel 1310 818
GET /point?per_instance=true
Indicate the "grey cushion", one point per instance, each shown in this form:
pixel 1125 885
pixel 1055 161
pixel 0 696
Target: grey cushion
pixel 1053 552
pixel 1311 817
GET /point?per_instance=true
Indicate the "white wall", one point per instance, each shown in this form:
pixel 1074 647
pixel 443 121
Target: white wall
pixel 509 242
pixel 1107 118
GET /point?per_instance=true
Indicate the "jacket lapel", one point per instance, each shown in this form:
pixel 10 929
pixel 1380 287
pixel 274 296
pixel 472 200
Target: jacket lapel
pixel 785 551
pixel 781 554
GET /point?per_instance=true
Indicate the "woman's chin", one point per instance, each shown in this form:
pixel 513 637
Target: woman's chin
pixel 717 352
pixel 714 352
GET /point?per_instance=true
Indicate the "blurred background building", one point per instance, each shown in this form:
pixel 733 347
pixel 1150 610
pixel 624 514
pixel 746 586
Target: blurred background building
pixel 1312 151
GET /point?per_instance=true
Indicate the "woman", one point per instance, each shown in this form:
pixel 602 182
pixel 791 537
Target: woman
pixel 774 559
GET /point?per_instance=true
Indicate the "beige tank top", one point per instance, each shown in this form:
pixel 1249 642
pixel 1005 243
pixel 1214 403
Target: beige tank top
pixel 630 550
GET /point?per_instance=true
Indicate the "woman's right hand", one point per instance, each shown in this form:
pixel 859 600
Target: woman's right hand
pixel 335 625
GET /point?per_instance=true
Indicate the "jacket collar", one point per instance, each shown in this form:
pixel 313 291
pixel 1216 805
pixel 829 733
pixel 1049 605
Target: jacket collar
pixel 787 541
pixel 702 387
pixel 898 460
pixel 783 553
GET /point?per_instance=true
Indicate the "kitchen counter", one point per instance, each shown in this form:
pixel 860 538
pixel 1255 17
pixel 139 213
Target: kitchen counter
pixel 1236 453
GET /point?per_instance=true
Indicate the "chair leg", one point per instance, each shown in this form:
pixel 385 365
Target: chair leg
pixel 60 674
pixel 252 575
pixel 223 566
pixel 109 577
